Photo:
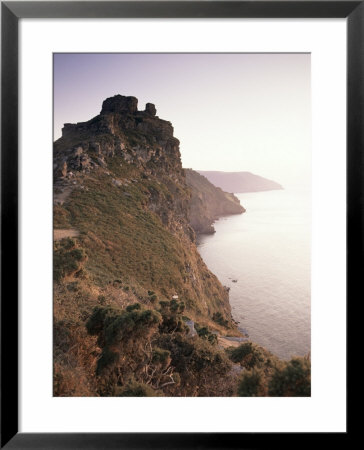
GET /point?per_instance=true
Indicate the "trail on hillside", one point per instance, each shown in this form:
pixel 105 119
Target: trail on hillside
pixel 61 234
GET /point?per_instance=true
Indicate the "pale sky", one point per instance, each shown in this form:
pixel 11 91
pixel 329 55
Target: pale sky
pixel 231 112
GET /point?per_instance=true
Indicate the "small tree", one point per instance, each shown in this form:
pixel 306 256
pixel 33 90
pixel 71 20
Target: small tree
pixel 219 318
pixel 293 379
pixel 124 336
pixel 67 259
pixel 248 355
pixel 252 384
pixel 204 333
pixel 171 312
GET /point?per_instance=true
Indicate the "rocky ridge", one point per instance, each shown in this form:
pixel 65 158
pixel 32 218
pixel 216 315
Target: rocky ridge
pixel 122 170
pixel 208 203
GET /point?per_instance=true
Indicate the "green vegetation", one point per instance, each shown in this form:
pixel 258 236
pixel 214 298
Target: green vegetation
pixel 172 317
pixel 275 378
pixel 135 389
pixel 125 240
pixel 219 318
pixel 119 327
pixel 67 259
pixel 292 379
pixel 252 384
pixel 142 357
pixel 202 367
pixel 205 333
pixel 249 355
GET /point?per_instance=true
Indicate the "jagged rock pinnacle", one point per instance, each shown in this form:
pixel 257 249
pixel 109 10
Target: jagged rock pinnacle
pixel 150 109
pixel 120 104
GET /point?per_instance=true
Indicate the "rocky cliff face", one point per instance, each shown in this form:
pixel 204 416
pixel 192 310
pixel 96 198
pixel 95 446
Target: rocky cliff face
pixel 141 140
pixel 120 186
pixel 208 203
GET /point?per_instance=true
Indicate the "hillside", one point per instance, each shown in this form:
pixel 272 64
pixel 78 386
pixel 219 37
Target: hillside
pixel 208 203
pixel 121 205
pixel 136 310
pixel 239 182
pixel 129 202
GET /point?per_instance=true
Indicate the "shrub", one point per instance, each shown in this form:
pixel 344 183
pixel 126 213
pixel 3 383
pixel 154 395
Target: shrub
pixel 124 337
pixel 135 389
pixel 252 384
pixel 161 357
pixel 202 368
pixel 67 259
pixel 205 333
pixel 248 355
pixel 293 379
pixel 171 312
pixel 134 307
pixel 219 318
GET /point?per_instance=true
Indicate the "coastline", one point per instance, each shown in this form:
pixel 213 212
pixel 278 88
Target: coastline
pixel 271 296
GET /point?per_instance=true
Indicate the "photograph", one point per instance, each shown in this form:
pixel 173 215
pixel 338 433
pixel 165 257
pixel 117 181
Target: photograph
pixel 182 224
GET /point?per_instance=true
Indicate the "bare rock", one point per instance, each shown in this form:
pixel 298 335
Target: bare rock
pixel 150 109
pixel 120 104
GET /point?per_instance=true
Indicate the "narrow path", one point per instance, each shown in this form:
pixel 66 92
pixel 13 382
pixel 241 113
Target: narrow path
pixel 61 234
pixel 225 342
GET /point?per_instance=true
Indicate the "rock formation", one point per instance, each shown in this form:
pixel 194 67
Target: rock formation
pixel 128 198
pixel 208 203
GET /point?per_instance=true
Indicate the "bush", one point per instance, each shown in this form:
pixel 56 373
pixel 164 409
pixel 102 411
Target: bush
pixel 219 318
pixel 67 259
pixel 171 312
pixel 161 357
pixel 202 368
pixel 121 331
pixel 205 333
pixel 252 384
pixel 135 389
pixel 248 355
pixel 293 379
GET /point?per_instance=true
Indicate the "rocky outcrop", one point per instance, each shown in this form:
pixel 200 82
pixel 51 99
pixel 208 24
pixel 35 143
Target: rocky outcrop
pixel 120 104
pixel 128 198
pixel 208 203
pixel 140 139
pixel 150 109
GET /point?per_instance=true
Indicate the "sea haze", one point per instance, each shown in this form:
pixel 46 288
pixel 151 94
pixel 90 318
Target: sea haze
pixel 267 251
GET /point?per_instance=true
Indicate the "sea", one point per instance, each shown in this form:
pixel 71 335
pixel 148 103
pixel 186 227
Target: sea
pixel 263 256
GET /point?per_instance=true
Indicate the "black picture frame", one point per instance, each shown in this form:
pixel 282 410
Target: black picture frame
pixel 11 12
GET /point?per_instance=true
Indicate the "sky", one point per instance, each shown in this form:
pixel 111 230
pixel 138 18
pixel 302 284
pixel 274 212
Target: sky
pixel 231 112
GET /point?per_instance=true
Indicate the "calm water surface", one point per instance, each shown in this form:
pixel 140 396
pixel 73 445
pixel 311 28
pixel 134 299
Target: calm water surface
pixel 267 250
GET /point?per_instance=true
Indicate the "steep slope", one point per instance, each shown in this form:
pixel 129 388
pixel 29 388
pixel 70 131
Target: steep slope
pixel 127 270
pixel 239 182
pixel 120 188
pixel 208 203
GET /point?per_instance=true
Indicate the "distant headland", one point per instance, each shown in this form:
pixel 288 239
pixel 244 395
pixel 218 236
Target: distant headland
pixel 239 182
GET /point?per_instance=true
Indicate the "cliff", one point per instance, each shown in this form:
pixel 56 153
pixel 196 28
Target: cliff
pixel 136 310
pixel 119 186
pixel 239 182
pixel 208 203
